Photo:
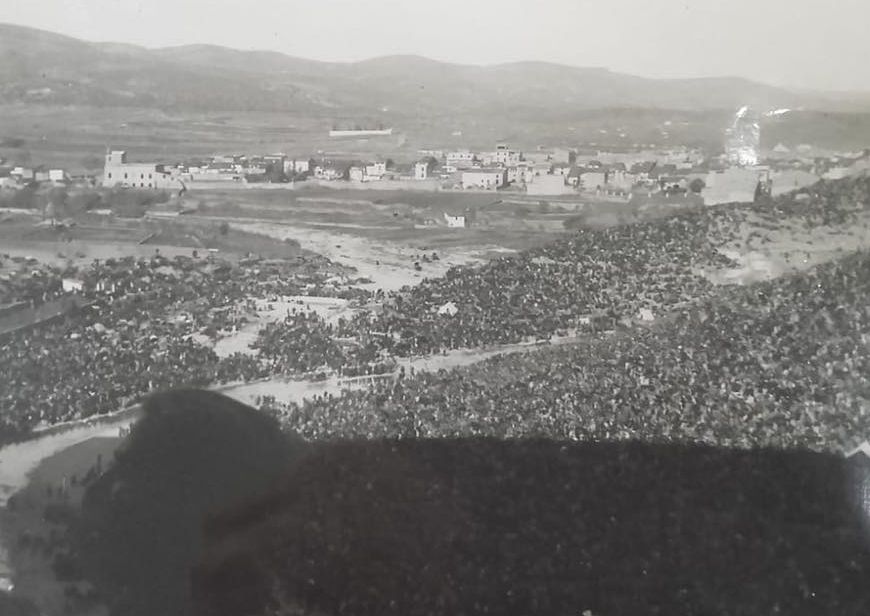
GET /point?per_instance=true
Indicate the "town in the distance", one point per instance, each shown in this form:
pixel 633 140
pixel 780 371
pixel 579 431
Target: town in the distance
pixel 638 174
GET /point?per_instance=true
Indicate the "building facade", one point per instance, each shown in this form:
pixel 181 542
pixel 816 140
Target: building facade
pixel 548 185
pixel 118 172
pixel 487 179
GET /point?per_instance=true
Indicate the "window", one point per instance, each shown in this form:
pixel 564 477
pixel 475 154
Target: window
pixel 125 176
pixel 110 175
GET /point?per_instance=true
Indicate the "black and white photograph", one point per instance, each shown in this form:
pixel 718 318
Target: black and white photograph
pixel 453 308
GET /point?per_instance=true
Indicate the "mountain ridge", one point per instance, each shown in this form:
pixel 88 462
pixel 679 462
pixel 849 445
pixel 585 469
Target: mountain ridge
pixel 50 68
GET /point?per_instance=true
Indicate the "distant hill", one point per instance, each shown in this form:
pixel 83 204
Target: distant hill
pixel 38 66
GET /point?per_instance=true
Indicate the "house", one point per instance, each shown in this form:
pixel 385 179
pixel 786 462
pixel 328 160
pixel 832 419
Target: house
pixel 455 222
pixel 505 156
pixel 375 171
pixel 618 177
pixel 641 171
pixel 573 177
pixel 71 285
pixel 462 159
pixel 550 185
pixel 326 172
pixel 488 179
pixel 592 179
pixel 357 174
pixel 22 174
pixel 421 171
pixel 302 165
pixel 118 172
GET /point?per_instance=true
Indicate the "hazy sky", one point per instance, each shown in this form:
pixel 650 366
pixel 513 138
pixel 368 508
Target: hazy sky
pixel 818 44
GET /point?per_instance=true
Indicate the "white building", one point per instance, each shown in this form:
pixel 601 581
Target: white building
pixel 455 222
pixel 22 174
pixel 488 179
pixel 375 171
pixel 593 180
pixel 460 159
pixel 118 172
pixel 323 172
pixel 505 156
pixel 57 175
pixel 548 185
pixel 421 171
pixel 297 166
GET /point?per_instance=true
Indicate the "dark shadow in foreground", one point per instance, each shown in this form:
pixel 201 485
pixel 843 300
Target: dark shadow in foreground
pixel 536 527
pixel 194 453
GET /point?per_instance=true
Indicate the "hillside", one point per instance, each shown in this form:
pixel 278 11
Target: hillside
pixel 46 67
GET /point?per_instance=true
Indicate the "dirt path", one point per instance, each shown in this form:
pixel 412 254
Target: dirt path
pixel 388 266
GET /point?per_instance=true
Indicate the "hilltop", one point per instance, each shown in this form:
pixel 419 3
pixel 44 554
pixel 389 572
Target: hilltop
pixel 47 67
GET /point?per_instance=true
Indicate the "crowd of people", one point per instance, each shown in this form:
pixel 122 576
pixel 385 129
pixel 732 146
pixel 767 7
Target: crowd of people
pixel 149 324
pixel 556 289
pixel 782 363
pixel 145 326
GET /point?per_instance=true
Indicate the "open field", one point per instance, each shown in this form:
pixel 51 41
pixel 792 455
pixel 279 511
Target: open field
pixel 25 234
pixel 764 253
pixel 76 136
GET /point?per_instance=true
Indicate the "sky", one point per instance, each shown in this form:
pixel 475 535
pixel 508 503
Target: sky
pixel 804 44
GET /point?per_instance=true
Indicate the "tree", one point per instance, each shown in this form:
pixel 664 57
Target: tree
pixel 224 228
pixel 697 185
